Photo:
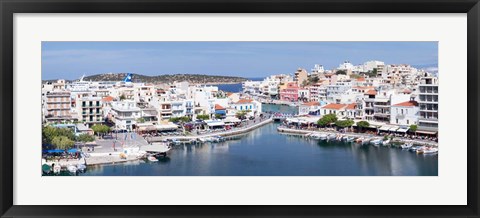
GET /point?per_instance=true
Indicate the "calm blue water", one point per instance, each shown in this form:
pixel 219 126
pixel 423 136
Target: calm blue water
pixel 234 87
pixel 265 152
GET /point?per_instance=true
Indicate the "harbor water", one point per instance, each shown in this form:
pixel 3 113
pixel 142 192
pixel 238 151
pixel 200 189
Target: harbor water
pixel 266 152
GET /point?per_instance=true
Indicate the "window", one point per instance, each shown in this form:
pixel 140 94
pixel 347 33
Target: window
pixel 397 121
pixel 408 121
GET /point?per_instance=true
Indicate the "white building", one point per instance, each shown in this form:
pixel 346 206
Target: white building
pixel 125 114
pixel 253 107
pixel 404 113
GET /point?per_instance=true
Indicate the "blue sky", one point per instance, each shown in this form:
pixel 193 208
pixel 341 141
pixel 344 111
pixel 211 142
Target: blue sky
pixel 70 60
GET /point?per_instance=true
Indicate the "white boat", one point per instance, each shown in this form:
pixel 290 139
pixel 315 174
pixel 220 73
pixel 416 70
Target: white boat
pixel 366 141
pixel 349 138
pixel 331 136
pixel 323 136
pixel 72 169
pixel 376 141
pixel 430 151
pixel 386 142
pixel 152 158
pixel 81 167
pixel 56 168
pixel 406 145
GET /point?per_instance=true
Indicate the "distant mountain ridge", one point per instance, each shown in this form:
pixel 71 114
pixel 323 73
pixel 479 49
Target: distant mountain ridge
pixel 167 78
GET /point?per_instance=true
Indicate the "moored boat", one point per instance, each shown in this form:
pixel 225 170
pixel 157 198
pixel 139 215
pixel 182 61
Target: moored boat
pixel 406 145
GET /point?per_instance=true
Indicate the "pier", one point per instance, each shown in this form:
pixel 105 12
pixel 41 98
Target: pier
pixel 282 129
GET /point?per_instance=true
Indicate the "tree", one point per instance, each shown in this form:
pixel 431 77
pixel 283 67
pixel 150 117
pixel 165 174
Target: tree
pixel 122 97
pixel 241 115
pixel 100 129
pixel 62 142
pixel 203 117
pixel 183 119
pixel 327 120
pixel 141 120
pixel 50 132
pixel 413 128
pixel 344 123
pixel 85 138
pixel 218 116
pixel 363 124
pixel 343 72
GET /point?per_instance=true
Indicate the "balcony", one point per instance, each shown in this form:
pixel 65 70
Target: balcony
pixel 428 120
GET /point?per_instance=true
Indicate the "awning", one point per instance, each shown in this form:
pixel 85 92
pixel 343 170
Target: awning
pixel 402 130
pixel 73 150
pixel 216 123
pixel 166 126
pixel 385 128
pixel 393 129
pixel 54 151
pixel 232 120
pixel 426 132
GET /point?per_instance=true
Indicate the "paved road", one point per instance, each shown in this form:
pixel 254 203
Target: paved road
pixel 121 140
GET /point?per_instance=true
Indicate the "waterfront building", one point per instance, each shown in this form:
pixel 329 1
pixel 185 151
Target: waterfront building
pixel 428 105
pixel 222 111
pixel 57 107
pixel 290 93
pixel 337 109
pixel 334 91
pixel 251 106
pixel 404 113
pixel 303 94
pixel 310 108
pixel 125 114
pixel 90 110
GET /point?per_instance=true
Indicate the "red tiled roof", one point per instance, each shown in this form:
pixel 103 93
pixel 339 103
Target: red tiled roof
pixel 407 104
pixel 334 106
pixel 312 103
pixel 406 91
pixel 371 92
pixel 243 101
pixel 361 79
pixel 219 107
pixel 107 99
pixel 351 106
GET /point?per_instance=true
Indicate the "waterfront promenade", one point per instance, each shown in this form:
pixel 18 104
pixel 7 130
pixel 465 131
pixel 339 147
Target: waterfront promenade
pixel 232 132
pixel 283 129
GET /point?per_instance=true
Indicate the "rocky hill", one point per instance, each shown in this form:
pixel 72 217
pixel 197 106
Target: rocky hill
pixel 167 78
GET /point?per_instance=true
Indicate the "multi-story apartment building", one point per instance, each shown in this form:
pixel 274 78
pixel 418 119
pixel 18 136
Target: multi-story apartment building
pixel 334 91
pixel 428 105
pixel 125 114
pixel 290 93
pixel 300 76
pixel 57 106
pixel 89 110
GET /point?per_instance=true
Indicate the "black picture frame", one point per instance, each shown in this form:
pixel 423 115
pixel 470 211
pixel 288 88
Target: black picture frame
pixel 9 7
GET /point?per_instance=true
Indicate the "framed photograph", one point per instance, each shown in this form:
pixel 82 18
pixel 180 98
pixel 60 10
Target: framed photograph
pixel 246 108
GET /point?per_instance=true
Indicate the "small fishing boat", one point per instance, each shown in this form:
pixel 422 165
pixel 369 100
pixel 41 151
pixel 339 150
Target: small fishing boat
pixel 81 167
pixel 386 142
pixel 430 151
pixel 359 140
pixel 376 142
pixel 331 136
pixel 56 168
pixel 349 138
pixel 366 141
pixel 406 145
pixel 72 169
pixel 420 149
pixel 323 137
pixel 152 158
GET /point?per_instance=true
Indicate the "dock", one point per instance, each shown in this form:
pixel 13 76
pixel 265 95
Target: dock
pixel 283 129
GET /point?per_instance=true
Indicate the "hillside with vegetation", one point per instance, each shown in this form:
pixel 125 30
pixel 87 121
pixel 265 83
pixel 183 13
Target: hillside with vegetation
pixel 167 78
